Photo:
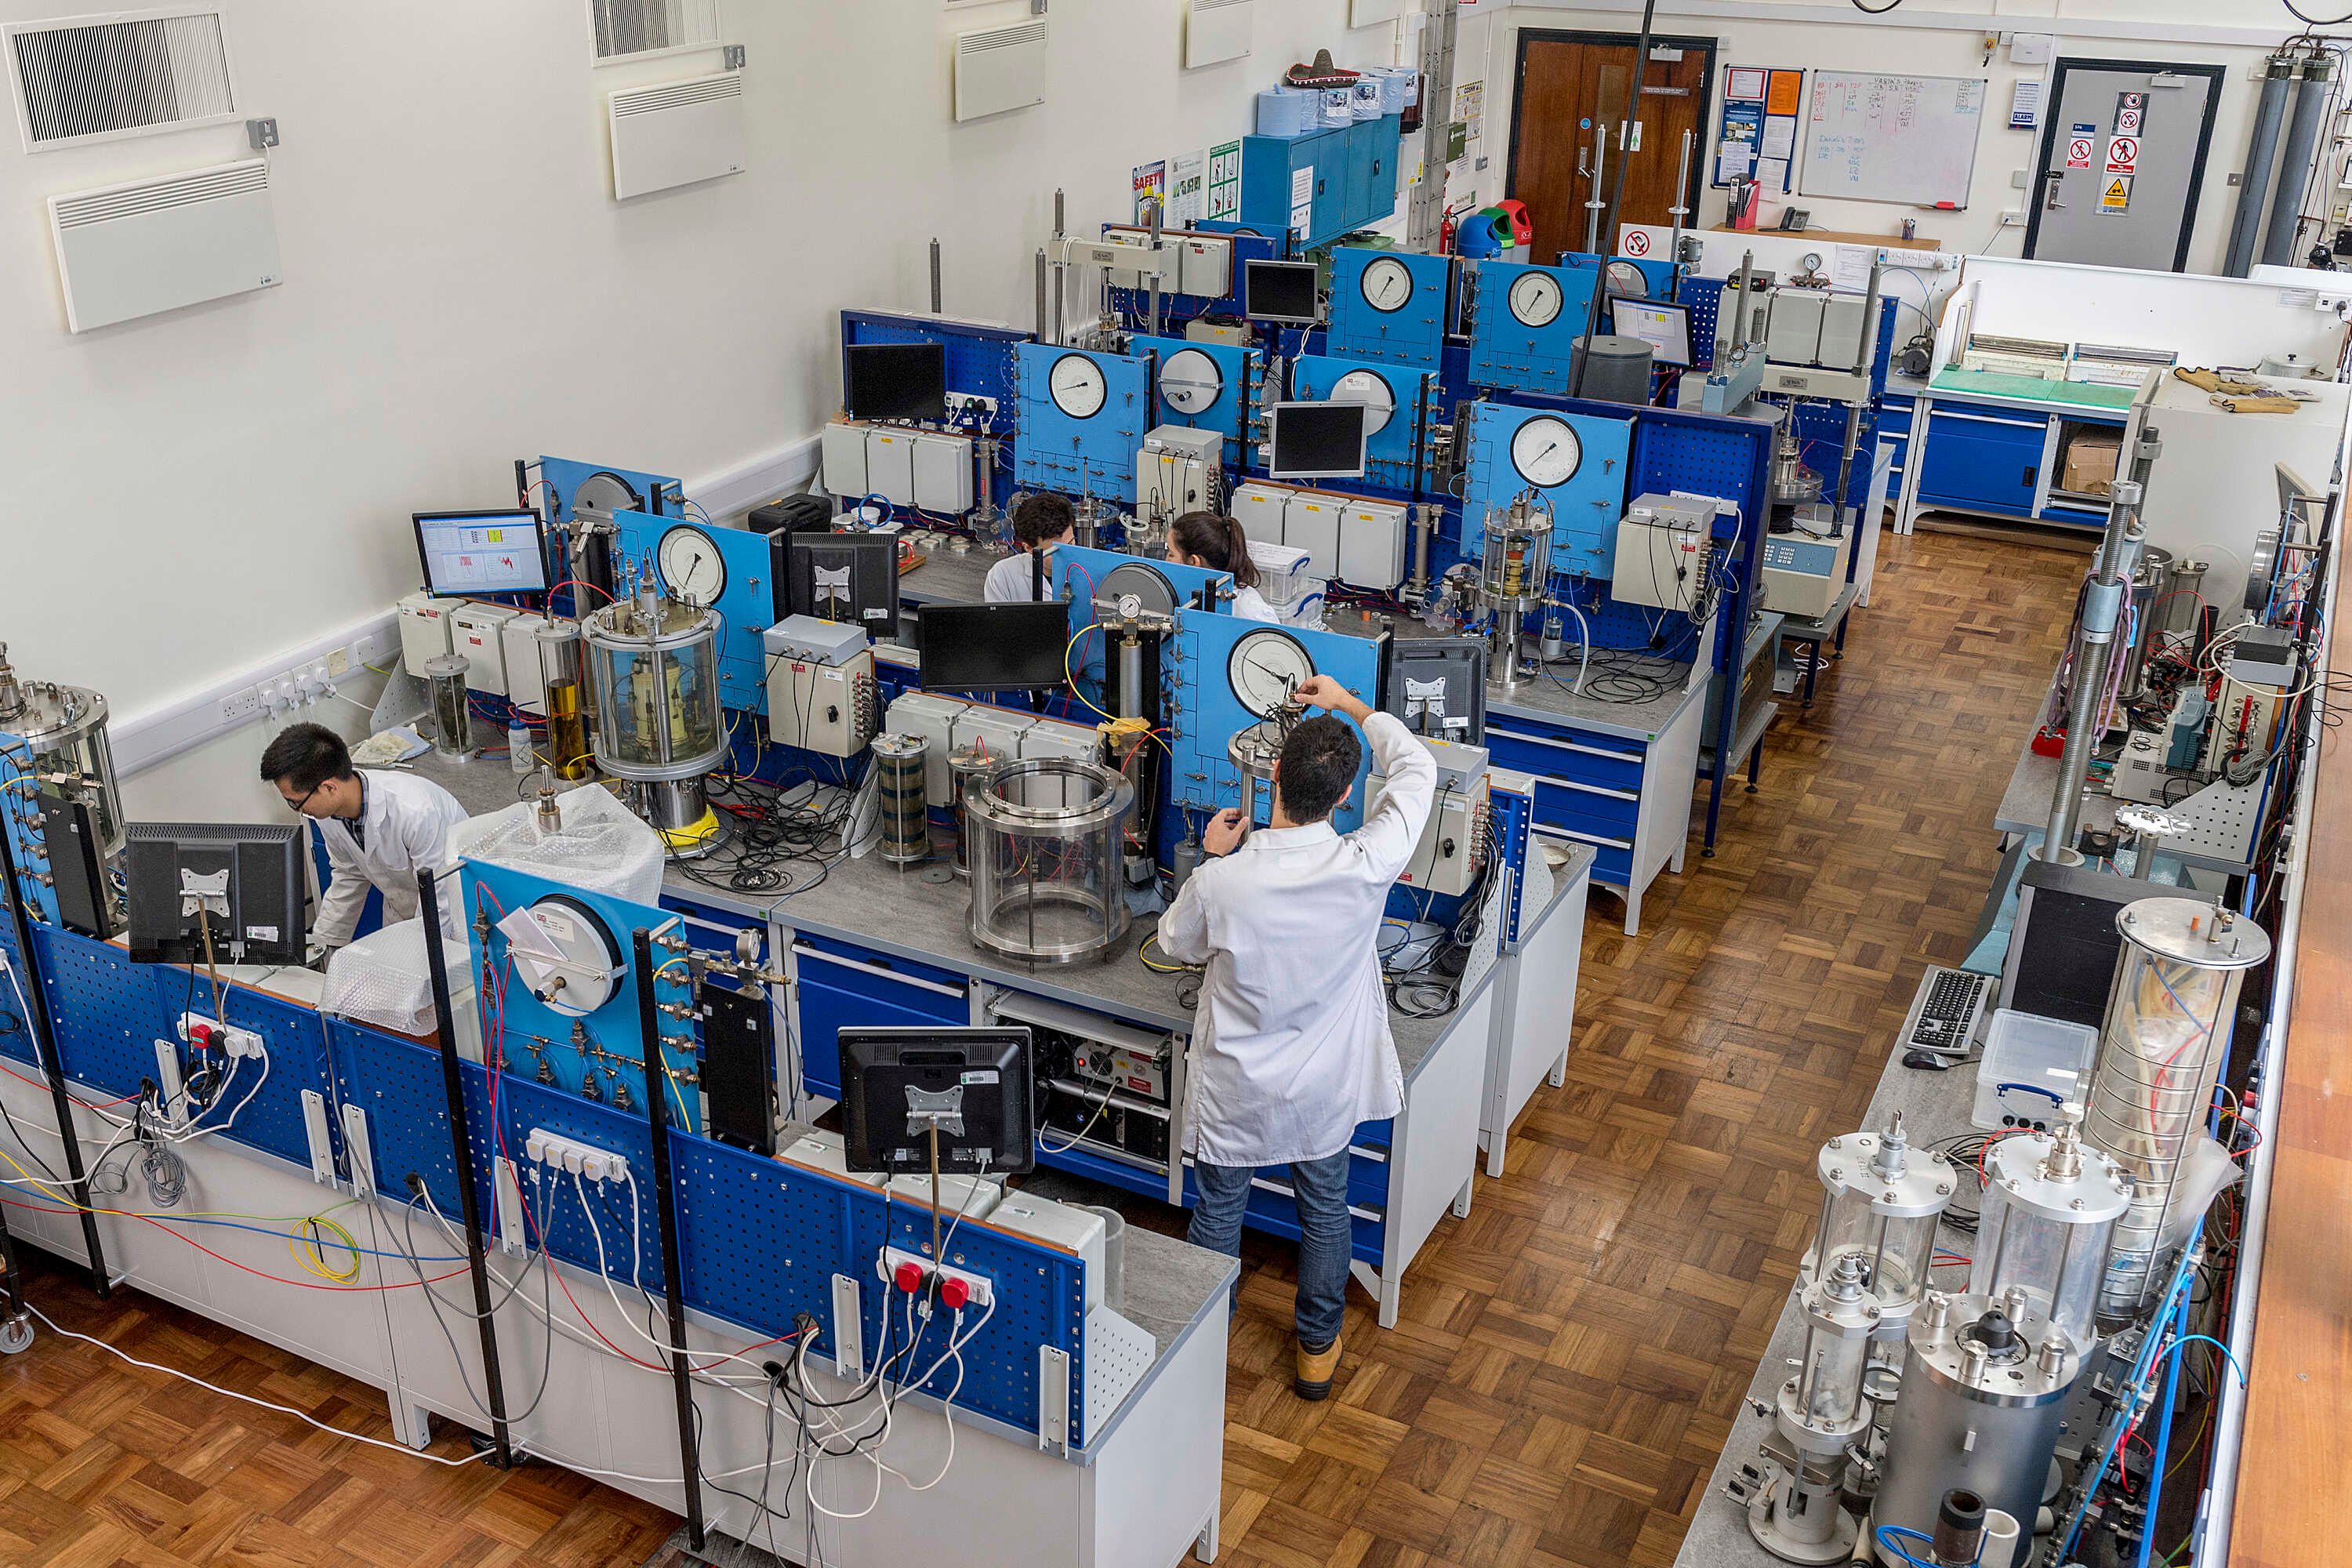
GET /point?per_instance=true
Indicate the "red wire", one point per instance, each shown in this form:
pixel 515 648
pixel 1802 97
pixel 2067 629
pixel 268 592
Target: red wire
pixel 233 1263
pixel 85 1104
pixel 574 583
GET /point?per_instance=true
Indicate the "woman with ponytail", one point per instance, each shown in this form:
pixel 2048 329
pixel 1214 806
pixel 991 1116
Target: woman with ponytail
pixel 1204 538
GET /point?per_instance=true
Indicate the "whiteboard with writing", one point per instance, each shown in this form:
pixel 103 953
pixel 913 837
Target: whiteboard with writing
pixel 1878 138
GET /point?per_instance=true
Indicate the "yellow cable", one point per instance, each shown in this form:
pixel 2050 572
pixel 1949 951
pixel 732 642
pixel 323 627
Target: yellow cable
pixel 1073 674
pixel 1152 940
pixel 314 1225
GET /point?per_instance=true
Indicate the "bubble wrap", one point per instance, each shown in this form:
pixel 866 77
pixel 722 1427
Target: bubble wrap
pixel 599 848
pixel 385 979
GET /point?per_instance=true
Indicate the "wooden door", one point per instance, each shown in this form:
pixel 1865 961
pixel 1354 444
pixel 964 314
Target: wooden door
pixel 1569 85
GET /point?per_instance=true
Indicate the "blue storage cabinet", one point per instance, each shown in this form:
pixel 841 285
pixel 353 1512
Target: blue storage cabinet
pixel 839 985
pixel 1354 172
pixel 1894 416
pixel 1588 784
pixel 1982 460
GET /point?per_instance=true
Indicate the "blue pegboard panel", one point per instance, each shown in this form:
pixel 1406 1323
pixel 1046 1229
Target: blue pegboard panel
pixel 1395 454
pixel 1529 317
pixel 109 1012
pixel 538 1040
pixel 1092 451
pixel 979 358
pixel 747 604
pixel 1205 714
pixel 1189 370
pixel 1377 320
pixel 1586 505
pixel 1705 297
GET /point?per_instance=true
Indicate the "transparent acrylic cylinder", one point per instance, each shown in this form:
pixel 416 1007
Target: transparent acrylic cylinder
pixel 2057 1263
pixel 1045 844
pixel 1894 1251
pixel 655 684
pixel 66 728
pixel 1828 1391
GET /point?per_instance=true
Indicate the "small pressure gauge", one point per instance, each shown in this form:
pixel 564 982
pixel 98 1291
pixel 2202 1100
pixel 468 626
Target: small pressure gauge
pixel 1078 386
pixel 1546 452
pixel 1189 382
pixel 1372 389
pixel 1535 299
pixel 691 567
pixel 1813 261
pixel 1387 284
pixel 1265 668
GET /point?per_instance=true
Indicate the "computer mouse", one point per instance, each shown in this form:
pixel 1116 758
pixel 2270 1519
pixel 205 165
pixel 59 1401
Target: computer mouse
pixel 1927 1061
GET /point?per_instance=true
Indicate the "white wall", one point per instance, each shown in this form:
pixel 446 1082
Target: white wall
pixel 1946 40
pixel 191 493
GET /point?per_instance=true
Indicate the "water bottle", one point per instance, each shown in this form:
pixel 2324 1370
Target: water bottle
pixel 519 756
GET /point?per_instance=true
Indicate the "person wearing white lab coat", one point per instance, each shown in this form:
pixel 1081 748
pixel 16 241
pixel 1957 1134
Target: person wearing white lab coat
pixel 380 829
pixel 1204 539
pixel 1039 522
pixel 1291 1047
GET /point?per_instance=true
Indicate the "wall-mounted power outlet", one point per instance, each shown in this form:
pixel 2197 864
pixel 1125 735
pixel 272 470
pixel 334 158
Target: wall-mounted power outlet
pixel 240 707
pixel 982 1289
pixel 963 405
pixel 2012 220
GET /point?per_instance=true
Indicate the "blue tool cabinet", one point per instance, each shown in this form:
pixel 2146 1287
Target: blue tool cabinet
pixel 1352 169
pixel 1588 784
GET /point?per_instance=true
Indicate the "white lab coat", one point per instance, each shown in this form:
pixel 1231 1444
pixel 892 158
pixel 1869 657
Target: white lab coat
pixel 1291 1047
pixel 1009 581
pixel 405 821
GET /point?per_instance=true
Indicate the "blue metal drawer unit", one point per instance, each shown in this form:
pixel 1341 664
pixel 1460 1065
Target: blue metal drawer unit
pixel 1349 172
pixel 1588 784
pixel 1987 462
pixel 840 986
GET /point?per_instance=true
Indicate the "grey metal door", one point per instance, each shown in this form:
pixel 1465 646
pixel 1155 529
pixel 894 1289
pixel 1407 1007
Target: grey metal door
pixel 2123 155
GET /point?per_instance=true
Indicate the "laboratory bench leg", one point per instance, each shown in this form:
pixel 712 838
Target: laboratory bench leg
pixel 1756 766
pixel 1535 1016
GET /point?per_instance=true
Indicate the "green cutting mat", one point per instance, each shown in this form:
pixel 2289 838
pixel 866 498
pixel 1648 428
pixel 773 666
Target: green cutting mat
pixel 2035 388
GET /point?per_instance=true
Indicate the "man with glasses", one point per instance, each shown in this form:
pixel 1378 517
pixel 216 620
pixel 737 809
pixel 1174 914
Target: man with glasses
pixel 379 829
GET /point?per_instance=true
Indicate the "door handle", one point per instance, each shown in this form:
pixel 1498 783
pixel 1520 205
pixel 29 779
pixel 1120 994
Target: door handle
pixel 2049 202
pixel 2032 472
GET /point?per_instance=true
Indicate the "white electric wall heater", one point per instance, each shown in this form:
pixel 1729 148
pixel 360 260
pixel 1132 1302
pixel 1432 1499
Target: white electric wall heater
pixel 997 69
pixel 677 134
pixel 150 246
pixel 1217 30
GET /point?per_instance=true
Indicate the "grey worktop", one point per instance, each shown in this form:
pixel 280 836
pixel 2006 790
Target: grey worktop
pixel 1169 1279
pixel 945 577
pixel 2033 783
pixel 1934 1105
pixel 900 910
pixel 1544 698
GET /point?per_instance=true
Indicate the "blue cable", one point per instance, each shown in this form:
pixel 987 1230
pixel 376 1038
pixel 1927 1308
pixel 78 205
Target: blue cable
pixel 281 1235
pixel 1891 1538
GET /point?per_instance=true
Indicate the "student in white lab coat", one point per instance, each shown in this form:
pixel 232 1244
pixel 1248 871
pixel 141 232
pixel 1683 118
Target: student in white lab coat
pixel 1218 543
pixel 380 829
pixel 1291 1046
pixel 1040 522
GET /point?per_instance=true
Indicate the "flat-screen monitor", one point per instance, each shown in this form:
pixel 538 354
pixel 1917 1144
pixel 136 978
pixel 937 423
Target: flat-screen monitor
pixel 1316 440
pixel 1010 647
pixel 466 554
pixel 972 1086
pixel 1282 292
pixel 240 884
pixel 1438 687
pixel 895 380
pixel 1661 324
pixel 848 577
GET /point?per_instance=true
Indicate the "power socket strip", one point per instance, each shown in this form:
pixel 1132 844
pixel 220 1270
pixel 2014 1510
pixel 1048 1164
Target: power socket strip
pixel 982 1288
pixel 210 1033
pixel 586 1160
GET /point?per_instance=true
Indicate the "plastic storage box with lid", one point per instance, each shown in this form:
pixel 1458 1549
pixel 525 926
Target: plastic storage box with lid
pixel 2032 1066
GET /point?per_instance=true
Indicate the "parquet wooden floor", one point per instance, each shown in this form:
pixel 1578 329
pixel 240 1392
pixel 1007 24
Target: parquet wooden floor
pixel 1570 1356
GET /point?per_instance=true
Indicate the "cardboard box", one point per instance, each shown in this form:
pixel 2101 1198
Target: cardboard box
pixel 2088 467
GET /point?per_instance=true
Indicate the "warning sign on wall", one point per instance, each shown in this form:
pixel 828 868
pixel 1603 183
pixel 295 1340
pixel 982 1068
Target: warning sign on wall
pixel 2117 196
pixel 2078 151
pixel 2123 154
pixel 2127 121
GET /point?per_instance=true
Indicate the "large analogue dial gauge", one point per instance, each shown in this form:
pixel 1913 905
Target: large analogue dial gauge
pixel 1372 389
pixel 1265 668
pixel 1189 381
pixel 1535 299
pixel 1546 452
pixel 691 567
pixel 1626 279
pixel 1387 283
pixel 1078 386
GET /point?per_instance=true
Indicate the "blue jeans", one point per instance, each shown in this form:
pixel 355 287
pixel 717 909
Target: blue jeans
pixel 1324 1234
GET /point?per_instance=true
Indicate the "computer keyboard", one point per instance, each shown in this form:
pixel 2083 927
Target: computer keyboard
pixel 1944 1012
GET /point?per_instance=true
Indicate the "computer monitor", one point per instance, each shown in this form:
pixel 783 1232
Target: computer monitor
pixel 240 883
pixel 1438 687
pixel 1281 291
pixel 848 577
pixel 1661 324
pixel 466 554
pixel 1316 440
pixel 972 1086
pixel 1010 647
pixel 895 380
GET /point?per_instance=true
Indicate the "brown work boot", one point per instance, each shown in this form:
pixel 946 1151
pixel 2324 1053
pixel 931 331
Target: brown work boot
pixel 1314 1370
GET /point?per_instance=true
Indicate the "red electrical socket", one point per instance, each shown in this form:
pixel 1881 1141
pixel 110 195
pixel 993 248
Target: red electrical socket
pixel 954 1293
pixel 201 1036
pixel 908 1278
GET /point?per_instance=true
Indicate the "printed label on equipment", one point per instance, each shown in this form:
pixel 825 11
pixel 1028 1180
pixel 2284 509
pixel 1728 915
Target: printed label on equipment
pixel 984 1075
pixel 261 933
pixel 557 926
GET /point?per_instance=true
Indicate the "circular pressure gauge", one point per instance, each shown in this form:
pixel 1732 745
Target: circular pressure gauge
pixel 1078 386
pixel 1387 283
pixel 1626 279
pixel 1189 382
pixel 1265 668
pixel 1372 389
pixel 1535 299
pixel 565 954
pixel 691 567
pixel 1546 452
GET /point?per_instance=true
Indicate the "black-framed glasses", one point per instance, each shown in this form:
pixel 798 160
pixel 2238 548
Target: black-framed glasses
pixel 297 805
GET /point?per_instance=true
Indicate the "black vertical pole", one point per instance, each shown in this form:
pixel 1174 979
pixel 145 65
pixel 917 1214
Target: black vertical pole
pixel 1616 193
pixel 665 1214
pixel 16 1325
pixel 461 1147
pixel 45 1041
